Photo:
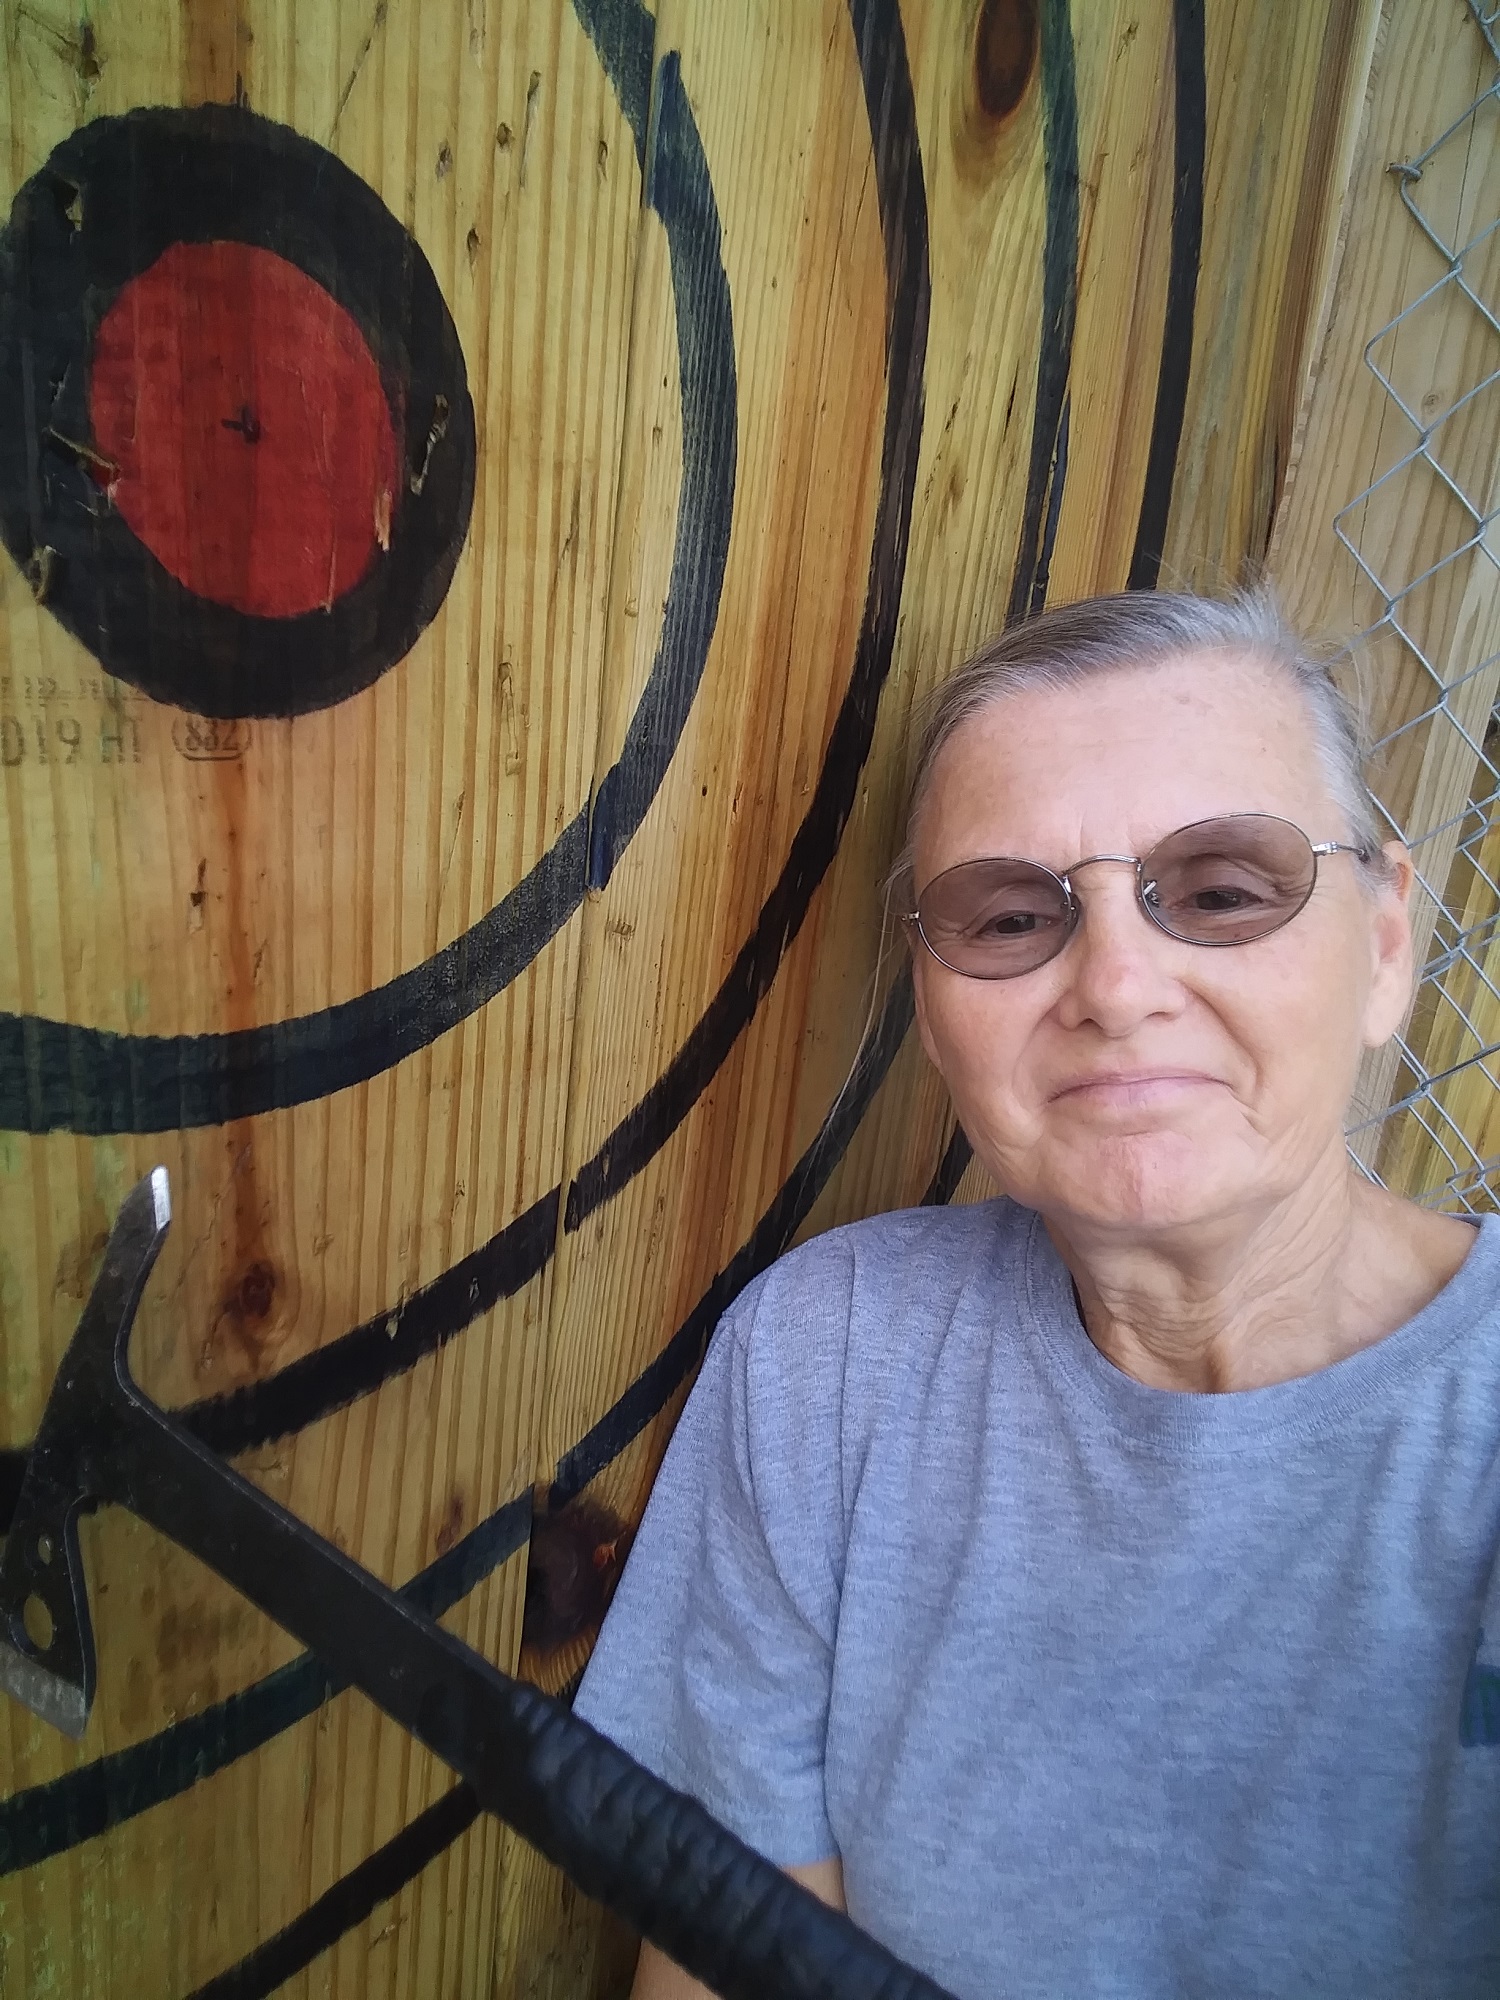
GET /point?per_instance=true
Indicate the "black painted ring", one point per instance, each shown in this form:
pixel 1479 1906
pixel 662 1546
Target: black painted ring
pixel 111 199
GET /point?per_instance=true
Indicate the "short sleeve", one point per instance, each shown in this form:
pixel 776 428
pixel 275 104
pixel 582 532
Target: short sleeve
pixel 715 1662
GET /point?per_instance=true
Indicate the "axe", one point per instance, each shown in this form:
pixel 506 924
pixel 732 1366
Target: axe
pixel 653 1855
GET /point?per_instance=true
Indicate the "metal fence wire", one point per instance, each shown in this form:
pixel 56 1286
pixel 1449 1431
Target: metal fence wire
pixel 1428 1120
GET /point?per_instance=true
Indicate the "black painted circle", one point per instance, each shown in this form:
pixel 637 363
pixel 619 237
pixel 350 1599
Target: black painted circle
pixel 111 200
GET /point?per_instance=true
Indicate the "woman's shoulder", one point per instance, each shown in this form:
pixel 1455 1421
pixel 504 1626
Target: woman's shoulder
pixel 822 1352
pixel 908 1269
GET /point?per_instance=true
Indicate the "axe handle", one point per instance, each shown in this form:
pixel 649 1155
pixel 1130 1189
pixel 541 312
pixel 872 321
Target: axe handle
pixel 651 1854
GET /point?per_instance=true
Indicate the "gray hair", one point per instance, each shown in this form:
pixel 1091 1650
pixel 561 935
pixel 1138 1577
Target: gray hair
pixel 1067 646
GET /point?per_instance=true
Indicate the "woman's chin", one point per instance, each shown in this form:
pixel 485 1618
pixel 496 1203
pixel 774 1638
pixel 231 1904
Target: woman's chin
pixel 1147 1184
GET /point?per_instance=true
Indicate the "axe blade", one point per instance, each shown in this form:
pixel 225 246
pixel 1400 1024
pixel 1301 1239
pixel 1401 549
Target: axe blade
pixel 46 1637
pixel 52 1697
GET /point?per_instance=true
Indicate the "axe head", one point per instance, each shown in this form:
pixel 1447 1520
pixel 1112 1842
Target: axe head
pixel 46 1639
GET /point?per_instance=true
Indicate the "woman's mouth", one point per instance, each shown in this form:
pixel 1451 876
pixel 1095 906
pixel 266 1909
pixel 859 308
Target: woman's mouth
pixel 1135 1089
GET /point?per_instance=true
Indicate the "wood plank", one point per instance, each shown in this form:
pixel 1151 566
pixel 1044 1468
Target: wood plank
pixel 178 895
pixel 1277 79
pixel 777 99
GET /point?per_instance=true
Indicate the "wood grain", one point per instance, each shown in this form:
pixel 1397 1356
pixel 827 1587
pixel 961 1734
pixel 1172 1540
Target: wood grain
pixel 1278 81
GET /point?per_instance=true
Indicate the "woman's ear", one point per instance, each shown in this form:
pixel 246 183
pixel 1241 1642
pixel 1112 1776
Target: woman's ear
pixel 1390 948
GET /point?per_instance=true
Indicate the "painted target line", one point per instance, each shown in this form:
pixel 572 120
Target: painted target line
pixel 236 435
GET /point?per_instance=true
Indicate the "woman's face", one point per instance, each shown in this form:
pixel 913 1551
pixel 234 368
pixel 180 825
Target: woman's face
pixel 1135 1081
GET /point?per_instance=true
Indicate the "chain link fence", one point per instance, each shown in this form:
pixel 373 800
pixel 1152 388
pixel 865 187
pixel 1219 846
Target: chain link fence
pixel 1429 1117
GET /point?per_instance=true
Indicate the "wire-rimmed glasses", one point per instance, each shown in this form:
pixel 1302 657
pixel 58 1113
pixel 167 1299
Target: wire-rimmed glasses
pixel 1218 882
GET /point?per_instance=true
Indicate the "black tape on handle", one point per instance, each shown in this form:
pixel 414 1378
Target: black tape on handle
pixel 659 1860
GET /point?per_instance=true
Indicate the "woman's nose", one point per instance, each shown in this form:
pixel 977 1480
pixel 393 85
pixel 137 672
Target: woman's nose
pixel 1117 968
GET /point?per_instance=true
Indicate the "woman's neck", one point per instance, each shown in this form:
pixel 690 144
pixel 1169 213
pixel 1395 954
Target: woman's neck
pixel 1250 1301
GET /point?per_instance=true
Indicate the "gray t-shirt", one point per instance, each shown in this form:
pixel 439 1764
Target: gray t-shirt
pixel 1097 1689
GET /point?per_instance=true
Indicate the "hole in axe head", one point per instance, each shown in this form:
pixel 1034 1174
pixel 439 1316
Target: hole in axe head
pixel 38 1622
pixel 44 1549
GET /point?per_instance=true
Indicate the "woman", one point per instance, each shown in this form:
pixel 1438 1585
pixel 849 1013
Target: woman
pixel 1088 1588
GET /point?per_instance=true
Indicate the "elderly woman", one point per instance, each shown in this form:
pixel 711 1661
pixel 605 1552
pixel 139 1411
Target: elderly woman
pixel 1088 1588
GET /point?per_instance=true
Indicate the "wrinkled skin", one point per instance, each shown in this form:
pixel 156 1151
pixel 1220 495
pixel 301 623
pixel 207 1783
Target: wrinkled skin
pixel 1176 1112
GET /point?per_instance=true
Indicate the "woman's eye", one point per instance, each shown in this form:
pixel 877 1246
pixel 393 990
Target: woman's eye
pixel 1011 923
pixel 1215 889
pixel 1225 896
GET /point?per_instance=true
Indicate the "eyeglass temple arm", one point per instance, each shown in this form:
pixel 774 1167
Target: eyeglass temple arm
pixel 1339 847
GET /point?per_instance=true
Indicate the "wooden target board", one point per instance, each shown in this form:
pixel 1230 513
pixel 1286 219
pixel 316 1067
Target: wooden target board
pixel 482 489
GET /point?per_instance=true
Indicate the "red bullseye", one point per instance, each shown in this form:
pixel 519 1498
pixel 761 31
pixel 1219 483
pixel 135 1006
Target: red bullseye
pixel 244 433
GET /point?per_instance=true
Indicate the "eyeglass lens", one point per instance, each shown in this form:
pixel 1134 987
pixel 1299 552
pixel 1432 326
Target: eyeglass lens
pixel 1220 882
